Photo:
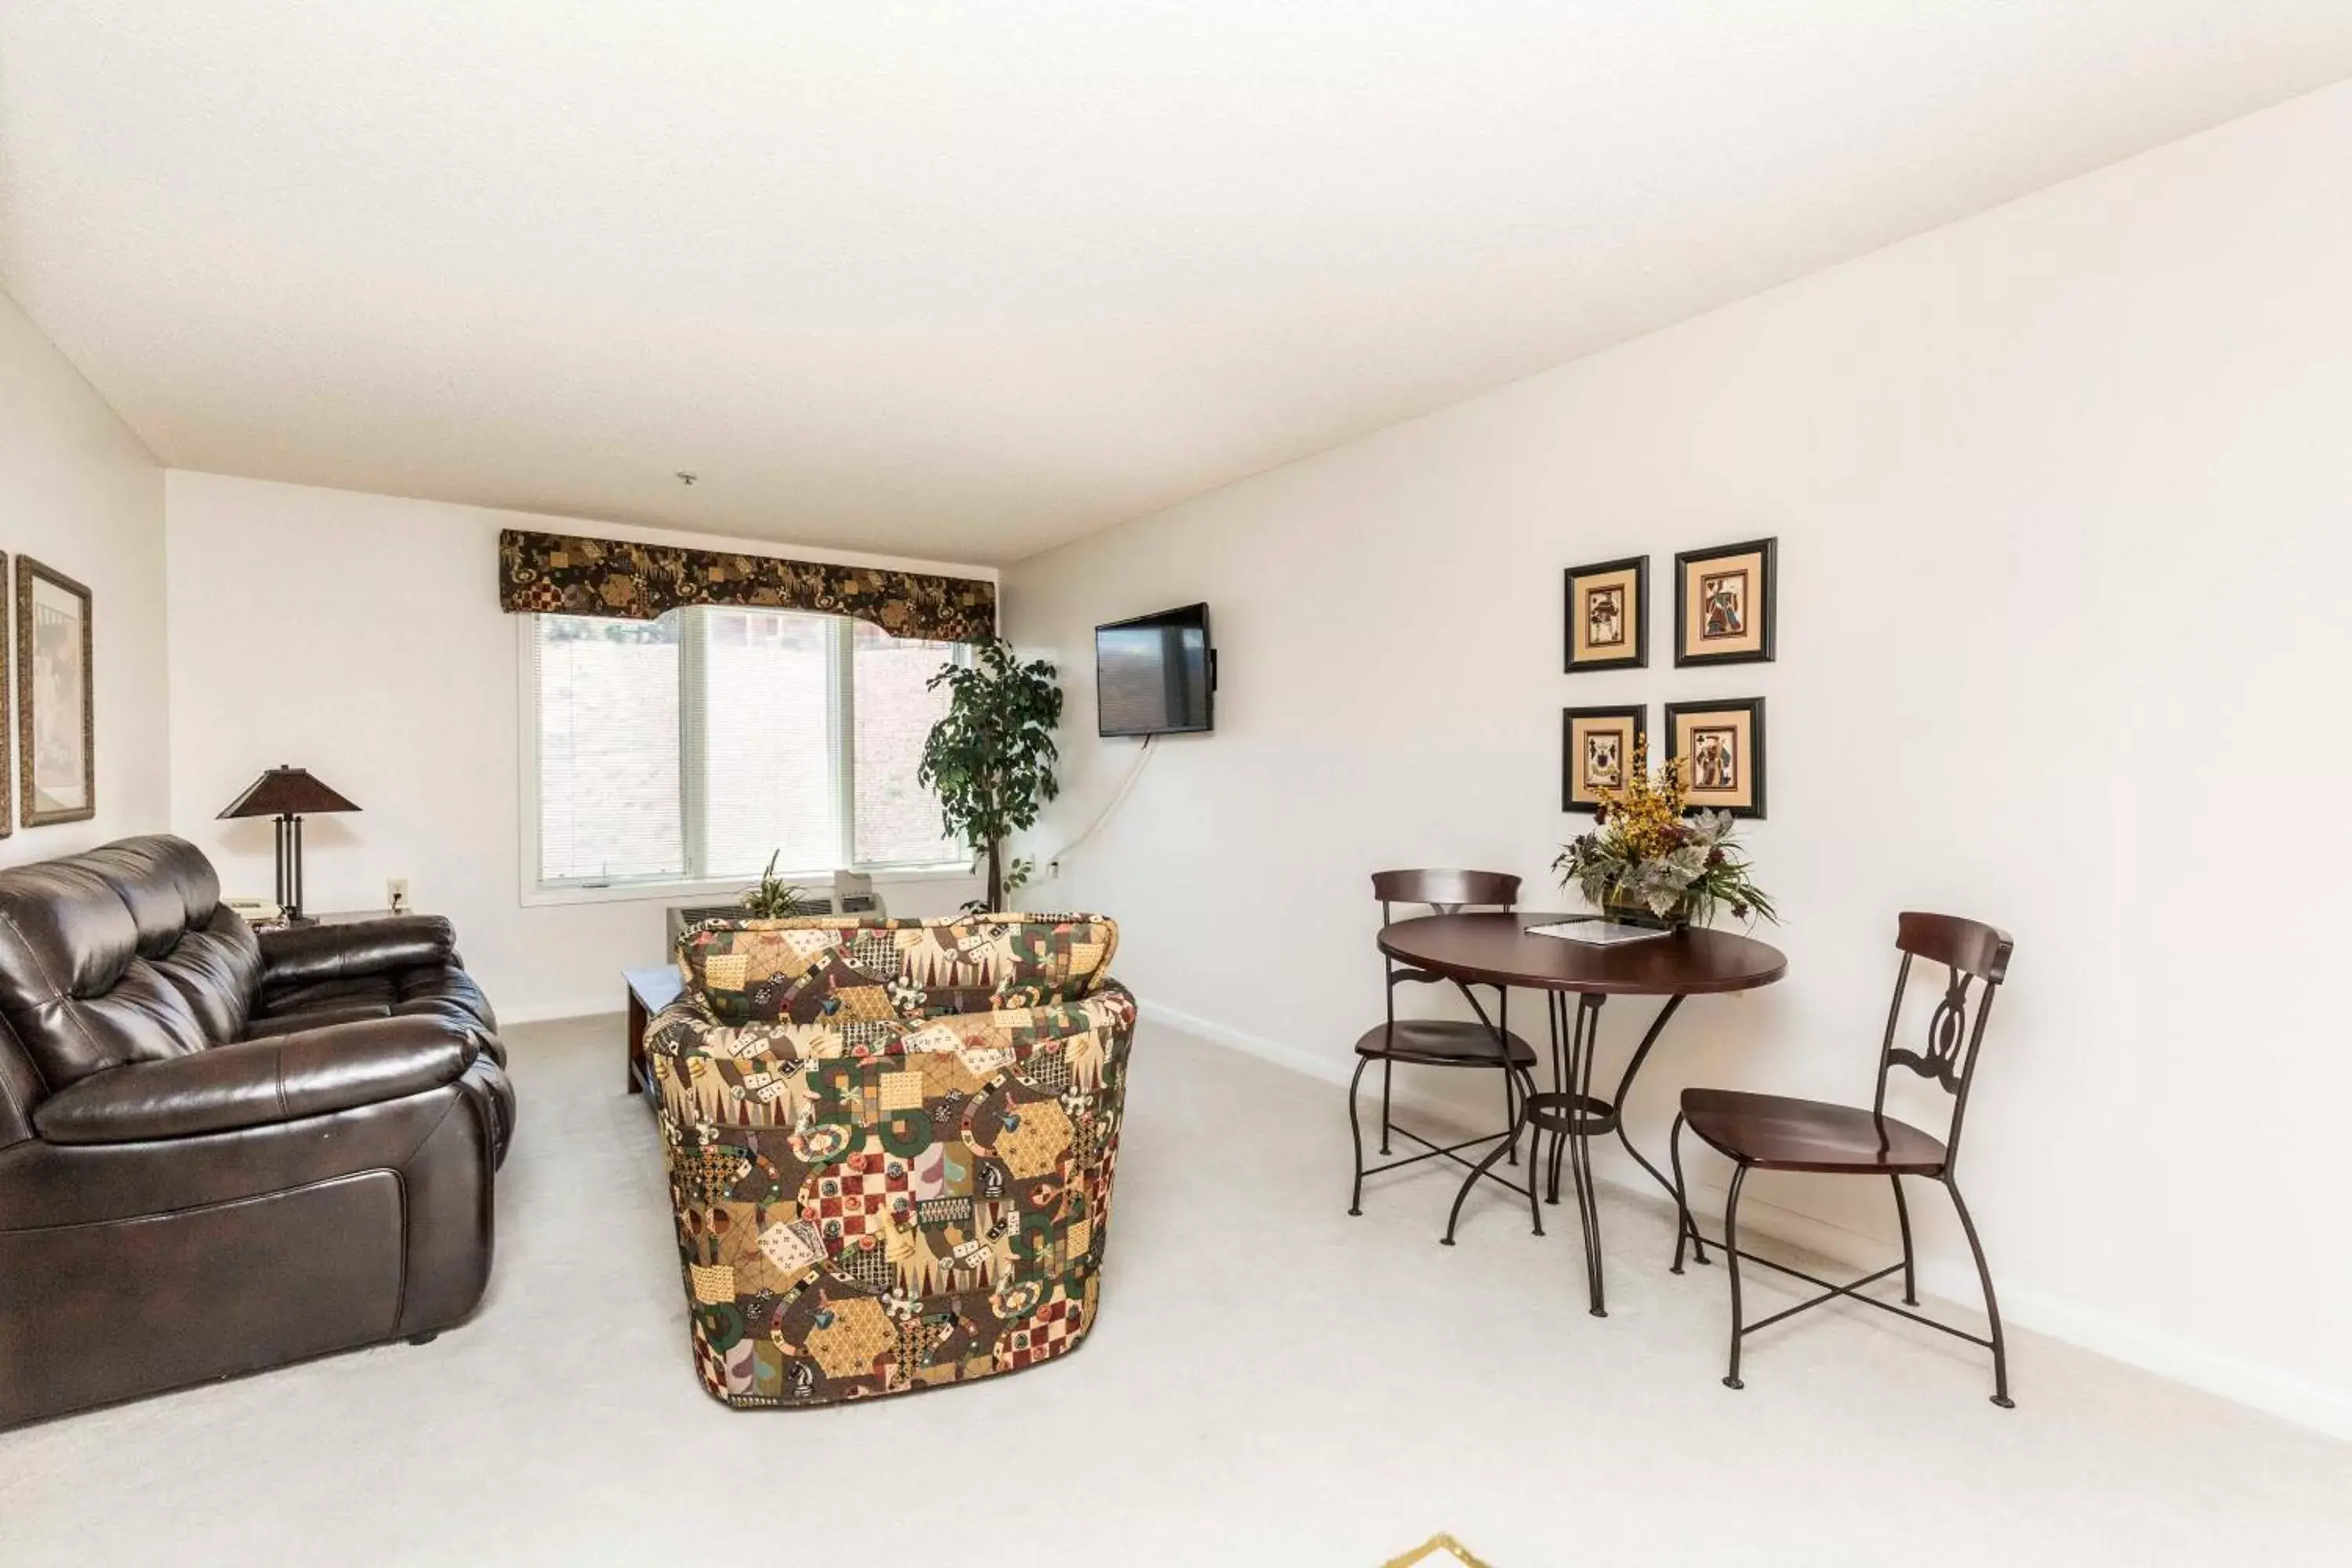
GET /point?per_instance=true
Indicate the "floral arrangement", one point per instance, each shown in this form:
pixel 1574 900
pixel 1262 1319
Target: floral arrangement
pixel 1645 854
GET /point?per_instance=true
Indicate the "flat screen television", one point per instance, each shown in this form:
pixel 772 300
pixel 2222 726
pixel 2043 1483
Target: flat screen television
pixel 1156 675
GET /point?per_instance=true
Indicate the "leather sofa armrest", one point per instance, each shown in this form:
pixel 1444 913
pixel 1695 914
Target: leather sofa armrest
pixel 304 955
pixel 255 1083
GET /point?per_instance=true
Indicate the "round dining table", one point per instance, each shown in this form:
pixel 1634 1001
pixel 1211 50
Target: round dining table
pixel 1499 949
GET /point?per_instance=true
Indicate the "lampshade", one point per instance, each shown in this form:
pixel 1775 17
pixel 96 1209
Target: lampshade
pixel 283 792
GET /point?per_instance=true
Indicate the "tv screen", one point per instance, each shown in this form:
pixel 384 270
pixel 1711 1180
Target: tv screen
pixel 1154 675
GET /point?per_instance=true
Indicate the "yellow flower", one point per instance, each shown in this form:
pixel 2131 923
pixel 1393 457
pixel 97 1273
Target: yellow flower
pixel 1646 814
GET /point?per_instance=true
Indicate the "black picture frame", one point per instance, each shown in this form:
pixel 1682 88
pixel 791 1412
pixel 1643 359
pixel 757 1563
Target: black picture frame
pixel 1753 707
pixel 1764 601
pixel 7 732
pixel 1639 641
pixel 71 666
pixel 1637 713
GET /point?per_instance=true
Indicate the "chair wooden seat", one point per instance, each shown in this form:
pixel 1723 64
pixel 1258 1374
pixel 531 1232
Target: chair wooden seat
pixel 1443 1042
pixel 1774 1132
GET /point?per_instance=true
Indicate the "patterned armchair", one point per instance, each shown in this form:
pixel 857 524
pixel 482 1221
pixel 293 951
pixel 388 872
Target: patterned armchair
pixel 890 1146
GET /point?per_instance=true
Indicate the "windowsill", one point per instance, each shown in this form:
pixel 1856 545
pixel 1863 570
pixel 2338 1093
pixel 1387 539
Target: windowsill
pixel 729 890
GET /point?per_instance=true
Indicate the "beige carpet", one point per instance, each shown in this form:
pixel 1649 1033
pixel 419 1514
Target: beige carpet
pixel 1273 1382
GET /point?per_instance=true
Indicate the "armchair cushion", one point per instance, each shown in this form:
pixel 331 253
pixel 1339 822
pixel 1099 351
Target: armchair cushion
pixel 257 1083
pixel 846 971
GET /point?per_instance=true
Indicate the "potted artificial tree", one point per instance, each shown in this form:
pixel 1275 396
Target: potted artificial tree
pixel 992 759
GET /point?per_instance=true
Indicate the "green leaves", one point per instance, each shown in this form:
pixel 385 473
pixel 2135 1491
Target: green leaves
pixel 1706 871
pixel 773 899
pixel 990 760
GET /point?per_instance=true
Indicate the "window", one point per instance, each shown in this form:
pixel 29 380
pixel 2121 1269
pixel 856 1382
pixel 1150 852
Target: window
pixel 692 748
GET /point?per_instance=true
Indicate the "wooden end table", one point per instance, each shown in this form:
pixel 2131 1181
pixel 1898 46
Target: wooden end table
pixel 650 991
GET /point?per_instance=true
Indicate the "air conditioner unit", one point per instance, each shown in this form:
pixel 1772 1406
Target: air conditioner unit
pixel 851 895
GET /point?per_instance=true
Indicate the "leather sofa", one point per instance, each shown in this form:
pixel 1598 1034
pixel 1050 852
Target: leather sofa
pixel 891 1145
pixel 219 1153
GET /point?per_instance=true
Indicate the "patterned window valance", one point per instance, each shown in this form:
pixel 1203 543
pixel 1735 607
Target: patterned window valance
pixel 564 574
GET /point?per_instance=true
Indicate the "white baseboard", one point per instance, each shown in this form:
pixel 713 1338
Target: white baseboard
pixel 2265 1388
pixel 560 1012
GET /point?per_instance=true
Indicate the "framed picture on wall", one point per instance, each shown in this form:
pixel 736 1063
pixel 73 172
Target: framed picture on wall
pixel 57 769
pixel 1724 604
pixel 1597 748
pixel 8 812
pixel 1609 615
pixel 1721 746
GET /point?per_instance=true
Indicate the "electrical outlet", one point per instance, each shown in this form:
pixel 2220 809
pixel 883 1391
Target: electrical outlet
pixel 396 894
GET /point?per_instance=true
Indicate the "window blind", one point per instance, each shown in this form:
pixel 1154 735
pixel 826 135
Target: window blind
pixel 695 747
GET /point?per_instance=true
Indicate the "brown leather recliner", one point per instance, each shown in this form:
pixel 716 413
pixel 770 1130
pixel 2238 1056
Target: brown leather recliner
pixel 219 1154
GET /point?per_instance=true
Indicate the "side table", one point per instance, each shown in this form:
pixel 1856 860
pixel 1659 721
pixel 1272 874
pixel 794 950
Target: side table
pixel 650 991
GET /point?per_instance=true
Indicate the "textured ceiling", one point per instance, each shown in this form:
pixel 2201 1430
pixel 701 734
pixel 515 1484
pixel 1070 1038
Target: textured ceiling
pixel 965 281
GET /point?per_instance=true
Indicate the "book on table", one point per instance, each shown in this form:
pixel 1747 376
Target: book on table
pixel 1595 933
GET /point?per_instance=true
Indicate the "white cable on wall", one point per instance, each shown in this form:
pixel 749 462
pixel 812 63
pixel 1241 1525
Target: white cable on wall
pixel 1053 862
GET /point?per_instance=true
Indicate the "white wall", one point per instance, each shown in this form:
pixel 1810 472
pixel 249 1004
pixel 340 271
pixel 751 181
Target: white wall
pixel 79 492
pixel 2062 494
pixel 359 636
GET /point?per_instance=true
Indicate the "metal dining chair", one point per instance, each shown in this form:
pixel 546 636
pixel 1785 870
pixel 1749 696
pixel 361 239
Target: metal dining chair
pixel 1486 1044
pixel 1769 1132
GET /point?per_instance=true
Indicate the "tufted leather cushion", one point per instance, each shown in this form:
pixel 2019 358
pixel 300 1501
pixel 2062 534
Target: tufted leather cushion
pixel 80 942
pixel 218 967
pixel 166 883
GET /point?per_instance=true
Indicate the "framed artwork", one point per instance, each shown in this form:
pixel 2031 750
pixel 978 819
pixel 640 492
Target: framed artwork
pixel 57 769
pixel 7 815
pixel 1723 604
pixel 1609 615
pixel 1722 748
pixel 1598 746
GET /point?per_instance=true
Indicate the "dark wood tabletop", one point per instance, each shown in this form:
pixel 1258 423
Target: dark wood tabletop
pixel 1495 948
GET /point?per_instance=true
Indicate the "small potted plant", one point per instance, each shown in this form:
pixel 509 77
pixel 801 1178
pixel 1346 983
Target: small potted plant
pixel 1646 863
pixel 774 899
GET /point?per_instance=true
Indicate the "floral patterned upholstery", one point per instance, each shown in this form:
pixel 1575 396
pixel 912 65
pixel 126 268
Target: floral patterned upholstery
pixel 890 1146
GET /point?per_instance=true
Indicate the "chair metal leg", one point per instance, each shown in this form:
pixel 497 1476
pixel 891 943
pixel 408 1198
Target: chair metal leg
pixel 1356 1135
pixel 1992 1307
pixel 1503 1039
pixel 1903 1219
pixel 1470 1180
pixel 1387 1069
pixel 1731 1266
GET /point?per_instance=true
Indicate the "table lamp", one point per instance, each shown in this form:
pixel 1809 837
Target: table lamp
pixel 287 793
